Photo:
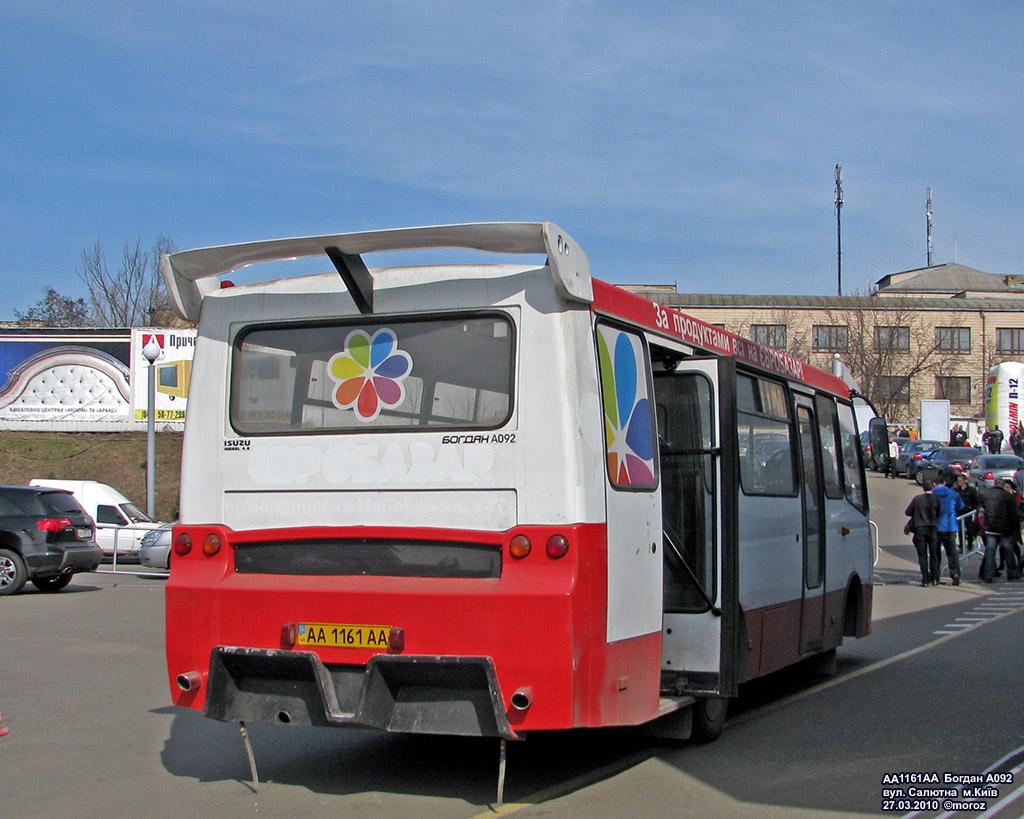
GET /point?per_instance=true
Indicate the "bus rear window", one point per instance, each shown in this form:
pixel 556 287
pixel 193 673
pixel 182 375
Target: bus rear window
pixel 393 375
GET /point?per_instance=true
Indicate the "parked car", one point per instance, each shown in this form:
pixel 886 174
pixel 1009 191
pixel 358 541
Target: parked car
pixel 119 522
pixel 865 448
pixel 985 469
pixel 912 453
pixel 45 537
pixel 880 460
pixel 946 459
pixel 155 550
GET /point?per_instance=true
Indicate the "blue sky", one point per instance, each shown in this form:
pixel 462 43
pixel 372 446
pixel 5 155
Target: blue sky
pixel 678 142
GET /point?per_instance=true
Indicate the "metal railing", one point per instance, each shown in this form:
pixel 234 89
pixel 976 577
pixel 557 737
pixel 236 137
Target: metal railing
pixel 962 545
pixel 128 533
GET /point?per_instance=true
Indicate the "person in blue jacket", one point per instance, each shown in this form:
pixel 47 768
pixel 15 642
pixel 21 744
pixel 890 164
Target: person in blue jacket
pixel 950 505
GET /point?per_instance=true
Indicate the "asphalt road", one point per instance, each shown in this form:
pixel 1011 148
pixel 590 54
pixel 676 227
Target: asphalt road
pixel 936 688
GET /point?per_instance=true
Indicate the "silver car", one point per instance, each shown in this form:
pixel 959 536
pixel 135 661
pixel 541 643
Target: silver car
pixel 155 549
pixel 986 469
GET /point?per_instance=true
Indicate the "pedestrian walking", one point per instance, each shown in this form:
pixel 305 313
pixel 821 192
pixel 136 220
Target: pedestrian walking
pixel 993 440
pixel 950 505
pixel 894 453
pixel 923 512
pixel 1002 521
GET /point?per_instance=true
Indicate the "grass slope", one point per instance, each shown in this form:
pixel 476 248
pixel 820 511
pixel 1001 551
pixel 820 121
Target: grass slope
pixel 115 458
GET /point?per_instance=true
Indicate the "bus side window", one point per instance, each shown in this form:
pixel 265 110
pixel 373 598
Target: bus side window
pixel 765 438
pixel 853 469
pixel 827 433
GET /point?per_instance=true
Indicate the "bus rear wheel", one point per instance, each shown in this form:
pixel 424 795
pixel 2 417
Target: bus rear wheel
pixel 708 718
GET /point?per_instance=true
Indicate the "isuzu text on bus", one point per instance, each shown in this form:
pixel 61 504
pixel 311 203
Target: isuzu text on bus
pixel 488 500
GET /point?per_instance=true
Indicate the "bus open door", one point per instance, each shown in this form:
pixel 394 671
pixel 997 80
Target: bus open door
pixel 696 404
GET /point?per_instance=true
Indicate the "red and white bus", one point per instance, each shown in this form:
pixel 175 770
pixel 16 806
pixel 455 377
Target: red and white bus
pixel 495 499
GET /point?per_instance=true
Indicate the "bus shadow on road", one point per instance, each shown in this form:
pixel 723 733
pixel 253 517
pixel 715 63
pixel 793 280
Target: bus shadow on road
pixel 350 761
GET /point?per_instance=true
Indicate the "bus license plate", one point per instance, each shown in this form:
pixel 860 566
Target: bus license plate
pixel 336 635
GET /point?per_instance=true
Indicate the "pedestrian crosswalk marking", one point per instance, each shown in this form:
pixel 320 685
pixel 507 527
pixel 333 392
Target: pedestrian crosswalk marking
pixel 999 603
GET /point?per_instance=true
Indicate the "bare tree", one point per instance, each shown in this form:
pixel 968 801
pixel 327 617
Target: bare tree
pixel 56 310
pixel 132 295
pixel 891 350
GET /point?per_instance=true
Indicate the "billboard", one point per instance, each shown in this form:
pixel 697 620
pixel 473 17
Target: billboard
pixel 172 371
pixel 65 379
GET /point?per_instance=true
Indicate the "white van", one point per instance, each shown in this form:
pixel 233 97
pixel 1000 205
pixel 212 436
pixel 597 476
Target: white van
pixel 119 522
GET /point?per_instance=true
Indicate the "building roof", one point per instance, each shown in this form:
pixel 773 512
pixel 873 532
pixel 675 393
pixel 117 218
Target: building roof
pixel 759 301
pixel 949 278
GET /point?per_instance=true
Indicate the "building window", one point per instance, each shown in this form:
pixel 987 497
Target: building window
pixel 953 339
pixel 893 389
pixel 1009 340
pixel 772 335
pixel 831 338
pixel 956 388
pixel 892 339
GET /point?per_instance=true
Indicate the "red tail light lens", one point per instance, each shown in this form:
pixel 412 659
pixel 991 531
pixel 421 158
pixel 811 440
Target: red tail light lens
pixel 957 467
pixel 183 544
pixel 918 456
pixel 556 547
pixel 211 544
pixel 988 476
pixel 519 547
pixel 53 524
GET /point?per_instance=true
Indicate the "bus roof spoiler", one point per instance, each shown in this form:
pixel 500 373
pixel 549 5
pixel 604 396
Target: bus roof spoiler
pixel 191 274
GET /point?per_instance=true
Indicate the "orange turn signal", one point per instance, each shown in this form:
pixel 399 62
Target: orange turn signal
pixel 211 544
pixel 519 547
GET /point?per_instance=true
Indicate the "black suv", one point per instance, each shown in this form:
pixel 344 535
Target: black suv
pixel 45 537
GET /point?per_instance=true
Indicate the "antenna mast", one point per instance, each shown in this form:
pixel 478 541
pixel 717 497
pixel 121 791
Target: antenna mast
pixel 839 229
pixel 928 220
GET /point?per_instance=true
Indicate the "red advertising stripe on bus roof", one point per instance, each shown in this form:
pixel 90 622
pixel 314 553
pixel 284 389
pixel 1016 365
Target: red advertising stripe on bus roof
pixel 667 321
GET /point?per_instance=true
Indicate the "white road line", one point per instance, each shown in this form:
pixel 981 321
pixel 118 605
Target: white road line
pixel 958 625
pixel 1011 797
pixel 1002 803
pixel 595 776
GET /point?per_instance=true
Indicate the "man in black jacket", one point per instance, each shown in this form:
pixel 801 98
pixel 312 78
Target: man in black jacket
pixel 923 512
pixel 993 439
pixel 972 501
pixel 1002 522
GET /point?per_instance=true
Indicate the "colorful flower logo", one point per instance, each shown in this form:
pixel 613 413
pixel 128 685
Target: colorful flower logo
pixel 369 373
pixel 627 409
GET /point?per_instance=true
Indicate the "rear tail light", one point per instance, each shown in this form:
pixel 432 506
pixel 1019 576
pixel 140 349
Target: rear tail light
pixel 183 544
pixel 957 467
pixel 519 547
pixel 988 476
pixel 53 524
pixel 211 544
pixel 918 456
pixel 556 547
